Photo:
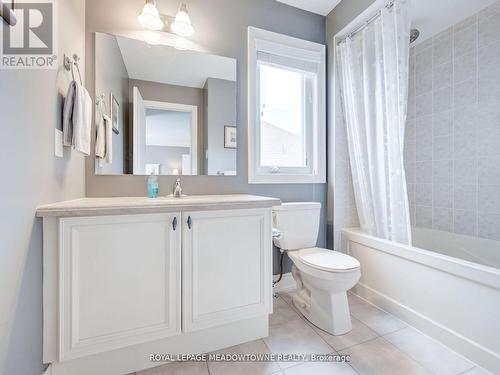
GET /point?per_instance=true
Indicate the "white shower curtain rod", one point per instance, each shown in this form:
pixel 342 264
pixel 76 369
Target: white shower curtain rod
pixel 366 23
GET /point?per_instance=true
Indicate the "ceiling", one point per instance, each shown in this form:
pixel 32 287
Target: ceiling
pixel 428 16
pixel 433 16
pixel 166 64
pixel 322 7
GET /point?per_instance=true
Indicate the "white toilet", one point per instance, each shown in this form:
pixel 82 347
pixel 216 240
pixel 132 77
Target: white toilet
pixel 322 276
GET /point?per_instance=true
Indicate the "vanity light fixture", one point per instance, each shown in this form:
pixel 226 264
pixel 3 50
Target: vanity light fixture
pixel 150 17
pixel 182 23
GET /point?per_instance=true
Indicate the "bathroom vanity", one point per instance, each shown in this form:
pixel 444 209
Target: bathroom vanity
pixel 127 278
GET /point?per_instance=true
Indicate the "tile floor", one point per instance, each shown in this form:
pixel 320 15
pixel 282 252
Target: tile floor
pixel 378 344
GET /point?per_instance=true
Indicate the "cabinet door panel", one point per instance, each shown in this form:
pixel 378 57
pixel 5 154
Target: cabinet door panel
pixel 119 282
pixel 226 267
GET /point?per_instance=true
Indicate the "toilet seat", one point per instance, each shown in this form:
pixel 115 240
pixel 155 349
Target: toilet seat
pixel 328 260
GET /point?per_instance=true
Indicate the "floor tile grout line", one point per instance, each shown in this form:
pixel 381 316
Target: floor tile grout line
pixel 208 367
pixel 439 343
pixel 383 336
pixel 308 323
pixel 407 355
pixel 360 302
pixel 335 351
pixel 397 330
pixel 417 360
pixel 476 367
pixel 353 368
pixel 412 327
pixel 277 363
pixel 387 312
pixel 466 371
pixel 359 343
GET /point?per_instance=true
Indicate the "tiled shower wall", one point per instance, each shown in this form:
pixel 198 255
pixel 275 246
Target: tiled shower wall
pixel 452 151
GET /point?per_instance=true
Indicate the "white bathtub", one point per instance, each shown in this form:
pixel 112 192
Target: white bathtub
pixel 451 293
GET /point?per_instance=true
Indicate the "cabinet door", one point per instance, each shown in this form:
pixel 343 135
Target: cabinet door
pixel 226 267
pixel 119 280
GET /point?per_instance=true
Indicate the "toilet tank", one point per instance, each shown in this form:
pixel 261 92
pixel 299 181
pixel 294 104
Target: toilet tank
pixel 298 224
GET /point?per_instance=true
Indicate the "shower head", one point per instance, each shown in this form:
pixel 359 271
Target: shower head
pixel 414 34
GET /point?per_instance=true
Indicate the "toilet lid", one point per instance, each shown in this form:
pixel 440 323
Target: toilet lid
pixel 329 260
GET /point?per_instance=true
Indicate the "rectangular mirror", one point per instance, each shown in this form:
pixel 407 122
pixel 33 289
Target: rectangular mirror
pixel 171 111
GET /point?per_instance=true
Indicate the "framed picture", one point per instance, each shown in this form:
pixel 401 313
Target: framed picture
pixel 230 137
pixel 115 109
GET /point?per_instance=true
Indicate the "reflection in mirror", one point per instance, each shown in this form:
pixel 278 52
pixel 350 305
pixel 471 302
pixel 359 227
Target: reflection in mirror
pixel 172 112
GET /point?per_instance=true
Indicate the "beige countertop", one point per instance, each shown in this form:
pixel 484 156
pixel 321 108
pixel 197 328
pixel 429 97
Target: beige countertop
pixel 138 205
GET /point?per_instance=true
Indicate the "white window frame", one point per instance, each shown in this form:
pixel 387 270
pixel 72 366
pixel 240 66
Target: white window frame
pixel 316 147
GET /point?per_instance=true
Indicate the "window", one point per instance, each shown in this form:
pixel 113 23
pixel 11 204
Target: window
pixel 286 109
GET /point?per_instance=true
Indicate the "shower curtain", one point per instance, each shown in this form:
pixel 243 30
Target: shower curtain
pixel 373 72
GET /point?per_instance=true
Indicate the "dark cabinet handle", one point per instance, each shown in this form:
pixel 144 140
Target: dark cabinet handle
pixel 174 223
pixel 189 222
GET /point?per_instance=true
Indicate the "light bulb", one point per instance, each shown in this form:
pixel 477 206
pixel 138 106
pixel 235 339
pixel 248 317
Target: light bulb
pixel 150 17
pixel 182 23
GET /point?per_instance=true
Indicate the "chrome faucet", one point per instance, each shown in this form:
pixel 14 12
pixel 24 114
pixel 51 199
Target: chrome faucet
pixel 177 191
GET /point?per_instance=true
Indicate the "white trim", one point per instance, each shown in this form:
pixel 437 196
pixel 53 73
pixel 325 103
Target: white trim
pixel 186 108
pixel 287 283
pixel 288 51
pixel 139 131
pixel 136 358
pixel 307 50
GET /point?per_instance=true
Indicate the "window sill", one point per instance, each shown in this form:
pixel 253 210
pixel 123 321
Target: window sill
pixel 282 178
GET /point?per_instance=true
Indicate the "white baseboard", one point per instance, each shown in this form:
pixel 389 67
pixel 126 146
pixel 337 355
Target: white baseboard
pixel 467 348
pixel 286 284
pixel 137 357
pixel 48 370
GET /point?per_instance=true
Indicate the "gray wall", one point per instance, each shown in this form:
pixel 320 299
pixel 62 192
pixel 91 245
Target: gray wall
pixel 341 205
pixel 221 28
pixel 112 77
pixel 163 92
pixel 31 105
pixel 220 112
pixel 452 149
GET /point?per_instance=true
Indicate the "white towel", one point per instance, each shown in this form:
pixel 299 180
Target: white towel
pixel 69 102
pixel 82 120
pixel 109 138
pixel 100 141
pixel 104 140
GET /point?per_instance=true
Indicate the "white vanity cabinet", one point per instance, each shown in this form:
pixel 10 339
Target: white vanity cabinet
pixel 226 272
pixel 120 282
pixel 124 281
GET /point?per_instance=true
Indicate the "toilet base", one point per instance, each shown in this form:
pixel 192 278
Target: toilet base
pixel 327 310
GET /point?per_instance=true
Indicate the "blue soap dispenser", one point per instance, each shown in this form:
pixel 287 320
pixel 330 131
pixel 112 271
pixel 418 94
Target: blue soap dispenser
pixel 153 187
